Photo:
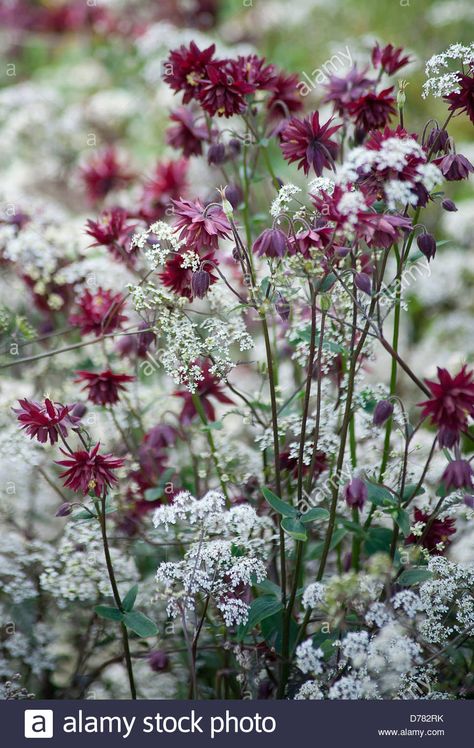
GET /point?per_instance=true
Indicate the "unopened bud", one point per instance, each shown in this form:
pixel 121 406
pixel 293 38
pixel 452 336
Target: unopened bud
pixel 200 283
pixel 383 411
pixel 427 244
pixel 64 510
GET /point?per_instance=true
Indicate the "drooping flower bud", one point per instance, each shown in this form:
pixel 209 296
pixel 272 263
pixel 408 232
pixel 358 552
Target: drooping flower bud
pixel 216 154
pixel 448 205
pixel 469 500
pixel 356 493
pixel 64 510
pixel 79 410
pixel 427 244
pixel 271 243
pixel 234 195
pixel 458 474
pixel 282 307
pixel 437 140
pixel 158 661
pixel 383 411
pixel 363 283
pixel 200 282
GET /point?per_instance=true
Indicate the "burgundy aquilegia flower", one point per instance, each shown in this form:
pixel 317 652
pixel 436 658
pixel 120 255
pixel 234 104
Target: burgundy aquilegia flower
pixel 373 111
pixel 87 470
pixel 437 538
pixel 104 387
pixel 200 226
pixel 451 404
pixel 185 69
pixel 103 174
pixel 391 59
pixel 309 143
pixel 99 312
pixel 45 421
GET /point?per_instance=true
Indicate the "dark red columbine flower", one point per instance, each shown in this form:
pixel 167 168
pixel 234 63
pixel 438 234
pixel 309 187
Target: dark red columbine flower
pixel 104 173
pixel 463 100
pixel 185 69
pixel 113 231
pixel 373 111
pixel 454 167
pixel 381 230
pixel 224 88
pixel 200 226
pixel 356 493
pixel 439 532
pixel 437 140
pixel 99 312
pixel 168 183
pixel 255 71
pixel 45 421
pixel 343 91
pixel 104 387
pixel 209 387
pixel 389 58
pixel 180 279
pixel 373 181
pixel 451 404
pixel 309 143
pixel 458 474
pixel 271 243
pixel 285 100
pixel 89 470
pixel 186 135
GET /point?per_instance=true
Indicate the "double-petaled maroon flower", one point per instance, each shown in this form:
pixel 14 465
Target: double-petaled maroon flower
pixel 373 110
pixel 224 89
pixel 437 538
pixel 178 276
pixel 99 312
pixel 103 388
pixel 87 470
pixel 451 404
pixel 454 167
pixel 112 230
pixel 185 69
pixel 458 474
pixel 255 71
pixel 46 421
pixel 389 58
pixel 341 92
pixel 200 226
pixel 463 100
pixel 284 101
pixel 103 174
pixel 309 143
pixel 168 183
pixel 209 387
pixel 186 135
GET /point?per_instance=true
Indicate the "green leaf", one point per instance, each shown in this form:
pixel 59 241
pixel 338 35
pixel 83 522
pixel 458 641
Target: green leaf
pixel 140 624
pixel 281 507
pixel 403 521
pixel 314 514
pixel 272 628
pixel 112 614
pixel 262 608
pixel 327 283
pixel 83 515
pixel 408 492
pixel 267 587
pixel 129 600
pixel 379 495
pixel 378 540
pixel 414 576
pixel 294 527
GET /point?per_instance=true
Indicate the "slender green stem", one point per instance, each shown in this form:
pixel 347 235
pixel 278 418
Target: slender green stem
pixel 101 513
pixel 210 440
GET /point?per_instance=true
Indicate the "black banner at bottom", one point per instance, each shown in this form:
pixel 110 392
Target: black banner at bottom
pixel 67 724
